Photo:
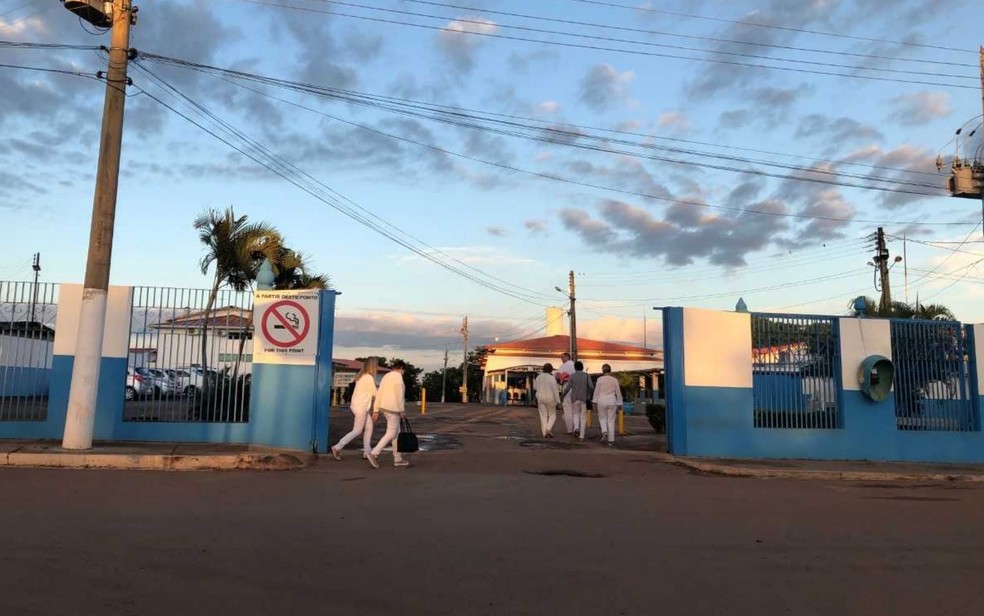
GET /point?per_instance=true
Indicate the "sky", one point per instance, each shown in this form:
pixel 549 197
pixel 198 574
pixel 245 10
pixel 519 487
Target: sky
pixel 669 153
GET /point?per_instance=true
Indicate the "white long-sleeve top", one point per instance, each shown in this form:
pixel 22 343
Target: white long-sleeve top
pixel 365 391
pixel 389 397
pixel 607 391
pixel 546 388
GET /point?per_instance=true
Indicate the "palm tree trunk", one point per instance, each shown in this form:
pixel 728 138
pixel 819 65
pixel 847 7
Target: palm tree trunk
pixel 208 310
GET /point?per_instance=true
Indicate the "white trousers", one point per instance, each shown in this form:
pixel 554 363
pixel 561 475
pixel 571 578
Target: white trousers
pixel 392 429
pixel 363 426
pixel 548 415
pixel 580 411
pixel 569 414
pixel 607 416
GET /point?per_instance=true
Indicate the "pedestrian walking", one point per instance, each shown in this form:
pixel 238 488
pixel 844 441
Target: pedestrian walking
pixel 578 390
pixel 547 399
pixel 563 373
pixel 360 405
pixel 390 402
pixel 607 399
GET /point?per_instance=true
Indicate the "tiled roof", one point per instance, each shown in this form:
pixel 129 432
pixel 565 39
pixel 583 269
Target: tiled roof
pixel 555 345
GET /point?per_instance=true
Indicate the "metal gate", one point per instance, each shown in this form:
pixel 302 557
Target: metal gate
pixel 795 371
pixel 27 334
pixel 190 360
pixel 932 376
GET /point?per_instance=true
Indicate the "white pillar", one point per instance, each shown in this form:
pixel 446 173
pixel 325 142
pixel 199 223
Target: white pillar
pixel 81 418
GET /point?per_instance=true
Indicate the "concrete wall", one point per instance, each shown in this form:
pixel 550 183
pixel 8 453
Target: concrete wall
pixel 710 398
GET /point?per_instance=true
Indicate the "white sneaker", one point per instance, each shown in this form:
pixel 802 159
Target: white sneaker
pixel 401 463
pixel 335 453
pixel 373 461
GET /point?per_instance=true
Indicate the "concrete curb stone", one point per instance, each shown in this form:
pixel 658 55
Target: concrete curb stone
pixel 267 461
pixel 729 470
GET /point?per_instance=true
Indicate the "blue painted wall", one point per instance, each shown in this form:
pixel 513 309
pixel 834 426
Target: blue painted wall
pixel 719 421
pixel 23 381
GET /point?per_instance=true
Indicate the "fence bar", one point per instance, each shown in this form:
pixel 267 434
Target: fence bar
pixel 27 319
pixel 795 359
pixel 190 358
pixel 932 376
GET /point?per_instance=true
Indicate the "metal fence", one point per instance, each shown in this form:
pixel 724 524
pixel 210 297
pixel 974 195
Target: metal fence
pixel 795 371
pixel 932 376
pixel 27 335
pixel 190 356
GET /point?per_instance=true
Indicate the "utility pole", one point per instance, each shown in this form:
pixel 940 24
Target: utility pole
pixel 36 266
pixel 571 313
pixel 881 262
pixel 464 366
pixel 81 417
pixel 444 375
pixel 905 265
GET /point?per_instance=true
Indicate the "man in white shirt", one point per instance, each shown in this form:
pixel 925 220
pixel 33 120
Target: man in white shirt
pixel 389 401
pixel 607 399
pixel 563 373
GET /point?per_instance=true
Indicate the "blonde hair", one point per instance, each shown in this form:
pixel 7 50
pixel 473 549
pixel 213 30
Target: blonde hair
pixel 370 367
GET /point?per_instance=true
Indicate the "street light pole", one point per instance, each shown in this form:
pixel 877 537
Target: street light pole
pixel 80 421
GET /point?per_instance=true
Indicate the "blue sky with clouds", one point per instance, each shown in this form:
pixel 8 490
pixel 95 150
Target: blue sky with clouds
pixel 640 235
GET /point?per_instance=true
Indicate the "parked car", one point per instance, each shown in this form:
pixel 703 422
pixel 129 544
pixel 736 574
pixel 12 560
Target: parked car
pixel 138 385
pixel 190 379
pixel 158 382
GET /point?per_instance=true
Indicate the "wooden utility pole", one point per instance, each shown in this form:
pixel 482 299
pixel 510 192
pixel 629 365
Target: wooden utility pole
pixel 571 296
pixel 881 262
pixel 464 366
pixel 81 416
pixel 444 374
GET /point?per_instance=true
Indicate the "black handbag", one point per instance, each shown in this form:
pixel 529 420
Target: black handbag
pixel 406 440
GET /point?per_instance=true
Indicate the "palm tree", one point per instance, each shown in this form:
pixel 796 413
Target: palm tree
pixel 237 248
pixel 901 310
pixel 293 271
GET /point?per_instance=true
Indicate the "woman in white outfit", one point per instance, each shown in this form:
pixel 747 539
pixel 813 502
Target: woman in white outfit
pixel 361 404
pixel 547 399
pixel 607 399
pixel 390 402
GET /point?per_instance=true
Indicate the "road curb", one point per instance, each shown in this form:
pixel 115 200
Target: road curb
pixel 158 462
pixel 728 470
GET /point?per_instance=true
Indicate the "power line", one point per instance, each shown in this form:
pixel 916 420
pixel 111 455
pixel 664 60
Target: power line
pixel 736 54
pixel 618 50
pixel 312 186
pixel 771 26
pixel 307 89
pixel 679 35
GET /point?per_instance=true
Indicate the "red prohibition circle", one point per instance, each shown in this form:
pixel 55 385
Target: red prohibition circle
pixel 297 336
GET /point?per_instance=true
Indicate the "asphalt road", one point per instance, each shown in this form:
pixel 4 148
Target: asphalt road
pixel 489 523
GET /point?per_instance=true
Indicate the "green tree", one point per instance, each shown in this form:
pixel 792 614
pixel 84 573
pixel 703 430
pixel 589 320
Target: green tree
pixel 901 310
pixel 293 271
pixel 237 248
pixel 432 383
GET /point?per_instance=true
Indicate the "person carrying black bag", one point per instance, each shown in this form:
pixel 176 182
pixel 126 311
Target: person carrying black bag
pixel 390 402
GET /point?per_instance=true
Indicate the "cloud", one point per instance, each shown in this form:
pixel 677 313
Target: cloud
pixel 920 108
pixel 604 87
pixel 521 62
pixel 459 47
pixel 686 234
pixel 675 122
pixel 472 255
pixel 548 107
pixel 902 166
pixel 497 231
pixel 536 227
pixel 836 132
pixel 772 107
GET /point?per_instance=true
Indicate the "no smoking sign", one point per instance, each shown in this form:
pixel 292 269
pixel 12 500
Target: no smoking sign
pixel 287 331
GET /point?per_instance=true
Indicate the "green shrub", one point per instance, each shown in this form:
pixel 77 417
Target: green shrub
pixel 656 414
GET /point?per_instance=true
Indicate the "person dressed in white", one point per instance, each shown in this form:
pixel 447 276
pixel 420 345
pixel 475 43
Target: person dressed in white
pixel 389 402
pixel 547 399
pixel 361 404
pixel 578 390
pixel 607 399
pixel 564 372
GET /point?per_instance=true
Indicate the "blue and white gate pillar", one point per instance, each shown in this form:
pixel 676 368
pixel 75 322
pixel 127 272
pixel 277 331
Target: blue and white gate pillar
pixel 975 335
pixel 112 365
pixel 708 360
pixel 290 391
pixel 860 339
